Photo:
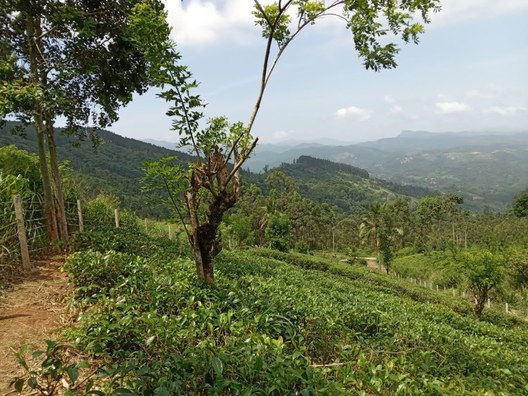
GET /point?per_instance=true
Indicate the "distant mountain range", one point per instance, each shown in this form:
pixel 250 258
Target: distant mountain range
pixel 115 167
pixel 486 169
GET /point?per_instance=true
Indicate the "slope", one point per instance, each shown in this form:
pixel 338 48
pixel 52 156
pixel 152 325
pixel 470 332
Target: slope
pixel 279 323
pixel 349 188
pixel 113 167
pixel 486 169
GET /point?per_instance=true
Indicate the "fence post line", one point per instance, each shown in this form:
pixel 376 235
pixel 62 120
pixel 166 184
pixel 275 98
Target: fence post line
pixel 507 307
pixel 489 303
pixel 21 228
pixel 170 232
pixel 116 215
pixel 79 215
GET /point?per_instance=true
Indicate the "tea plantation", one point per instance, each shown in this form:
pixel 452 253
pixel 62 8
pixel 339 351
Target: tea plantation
pixel 275 323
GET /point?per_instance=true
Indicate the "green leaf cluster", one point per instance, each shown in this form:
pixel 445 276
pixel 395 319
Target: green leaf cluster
pixel 282 323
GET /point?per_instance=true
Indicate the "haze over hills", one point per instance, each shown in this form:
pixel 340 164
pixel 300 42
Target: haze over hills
pixel 486 168
pixel 115 167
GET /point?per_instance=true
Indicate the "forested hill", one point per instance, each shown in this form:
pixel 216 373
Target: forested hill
pixel 487 169
pixel 349 188
pixel 115 167
pixel 324 166
pixel 112 167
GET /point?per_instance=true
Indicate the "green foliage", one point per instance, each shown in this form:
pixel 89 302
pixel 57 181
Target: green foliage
pixel 484 271
pixel 98 214
pixel 283 323
pixel 58 371
pixel 520 204
pixel 278 232
pixel 301 247
pixel 438 268
pixel 16 162
pixel 114 167
pixel 89 81
pixel 346 187
pixel 517 266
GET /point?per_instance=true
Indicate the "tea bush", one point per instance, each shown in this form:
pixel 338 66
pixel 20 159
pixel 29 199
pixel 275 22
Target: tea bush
pixel 279 323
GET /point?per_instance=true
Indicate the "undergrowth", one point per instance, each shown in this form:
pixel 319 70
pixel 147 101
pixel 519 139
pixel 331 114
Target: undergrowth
pixel 277 323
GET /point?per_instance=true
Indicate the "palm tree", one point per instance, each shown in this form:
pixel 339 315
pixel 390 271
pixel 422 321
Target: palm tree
pixel 378 225
pixel 371 227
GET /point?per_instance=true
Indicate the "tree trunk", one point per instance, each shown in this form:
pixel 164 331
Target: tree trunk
pixel 33 27
pixel 59 196
pixel 204 238
pixel 49 207
pixel 480 300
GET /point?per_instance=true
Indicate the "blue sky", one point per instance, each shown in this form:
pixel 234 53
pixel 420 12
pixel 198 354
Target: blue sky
pixel 469 72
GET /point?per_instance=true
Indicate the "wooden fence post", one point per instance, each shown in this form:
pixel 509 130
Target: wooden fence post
pixel 21 228
pixel 489 303
pixel 170 232
pixel 79 215
pixel 116 215
pixel 507 308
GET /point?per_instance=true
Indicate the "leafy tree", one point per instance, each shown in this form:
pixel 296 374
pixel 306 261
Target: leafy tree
pixel 432 212
pixel 520 204
pixel 80 60
pixel 278 232
pixel 378 225
pixel 17 162
pixel 484 272
pixel 211 186
pixel 372 228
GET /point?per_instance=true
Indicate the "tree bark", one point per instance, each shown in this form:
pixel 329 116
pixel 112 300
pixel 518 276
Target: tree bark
pixel 32 27
pixel 204 238
pixel 60 210
pixel 49 207
pixel 480 300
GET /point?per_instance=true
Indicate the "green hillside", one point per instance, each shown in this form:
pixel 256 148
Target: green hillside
pixel 486 169
pixel 275 323
pixel 112 167
pixel 115 167
pixel 349 188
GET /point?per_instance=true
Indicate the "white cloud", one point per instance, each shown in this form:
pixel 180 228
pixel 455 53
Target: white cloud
pixel 389 99
pixel 353 112
pixel 395 108
pixel 490 92
pixel 205 22
pixel 202 22
pixel 451 107
pixel 279 135
pixel 506 111
pixel 457 11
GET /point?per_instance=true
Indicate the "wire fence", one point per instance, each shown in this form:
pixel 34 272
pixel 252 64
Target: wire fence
pixel 517 306
pixel 35 231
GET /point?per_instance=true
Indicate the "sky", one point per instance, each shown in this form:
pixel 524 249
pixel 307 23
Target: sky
pixel 468 73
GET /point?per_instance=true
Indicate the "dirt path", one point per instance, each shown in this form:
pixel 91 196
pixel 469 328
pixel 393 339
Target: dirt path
pixel 29 313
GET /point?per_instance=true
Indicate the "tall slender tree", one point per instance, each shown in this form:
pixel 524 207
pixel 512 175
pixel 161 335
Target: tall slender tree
pixel 78 59
pixel 213 181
